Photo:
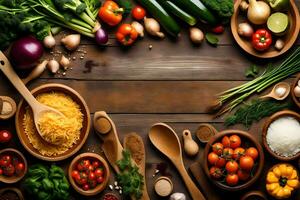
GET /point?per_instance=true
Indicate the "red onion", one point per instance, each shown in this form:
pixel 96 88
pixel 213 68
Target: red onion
pixel 25 52
pixel 101 36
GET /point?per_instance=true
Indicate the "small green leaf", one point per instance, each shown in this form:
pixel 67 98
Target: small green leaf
pixel 252 71
pixel 212 39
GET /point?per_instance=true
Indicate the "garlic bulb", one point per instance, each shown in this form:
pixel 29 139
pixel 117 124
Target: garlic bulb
pixel 49 41
pixel 152 27
pixel 138 27
pixel 178 196
pixel 71 42
pixel 196 35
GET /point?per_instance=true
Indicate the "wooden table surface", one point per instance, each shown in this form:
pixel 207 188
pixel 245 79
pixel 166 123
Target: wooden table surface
pixel 174 82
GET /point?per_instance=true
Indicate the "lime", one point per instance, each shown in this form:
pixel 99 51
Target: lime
pixel 278 23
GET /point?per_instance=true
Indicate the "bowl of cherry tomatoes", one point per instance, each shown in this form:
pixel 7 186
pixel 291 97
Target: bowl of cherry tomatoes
pixel 13 165
pixel 233 160
pixel 89 174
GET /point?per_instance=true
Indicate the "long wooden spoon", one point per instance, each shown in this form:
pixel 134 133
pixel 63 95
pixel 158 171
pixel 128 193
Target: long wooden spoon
pixel 37 108
pixel 164 138
pixel 273 94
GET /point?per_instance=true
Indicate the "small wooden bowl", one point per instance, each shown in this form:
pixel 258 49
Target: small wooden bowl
pixel 21 157
pixel 84 130
pixel 205 129
pixel 249 138
pixel 257 194
pixel 13 105
pixel 289 38
pixel 295 83
pixel 16 190
pixel 98 188
pixel 275 116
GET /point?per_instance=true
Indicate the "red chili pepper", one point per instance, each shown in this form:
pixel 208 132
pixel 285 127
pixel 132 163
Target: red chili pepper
pixel 261 39
pixel 126 34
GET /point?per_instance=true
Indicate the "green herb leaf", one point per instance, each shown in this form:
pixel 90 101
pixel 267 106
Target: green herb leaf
pixel 126 5
pixel 252 71
pixel 212 39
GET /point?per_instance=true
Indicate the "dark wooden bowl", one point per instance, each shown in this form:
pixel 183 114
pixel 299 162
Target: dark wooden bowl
pixel 289 38
pixel 21 157
pixel 295 83
pixel 265 129
pixel 254 194
pixel 98 188
pixel 249 138
pixel 84 130
pixel 16 190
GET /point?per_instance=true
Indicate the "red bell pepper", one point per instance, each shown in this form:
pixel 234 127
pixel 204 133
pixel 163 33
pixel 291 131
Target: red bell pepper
pixel 261 39
pixel 126 34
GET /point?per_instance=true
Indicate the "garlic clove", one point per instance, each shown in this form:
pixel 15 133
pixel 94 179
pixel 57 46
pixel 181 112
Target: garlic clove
pixel 196 35
pixel 153 28
pixel 53 66
pixel 297 91
pixel 138 27
pixel 49 42
pixel 64 62
pixel 71 42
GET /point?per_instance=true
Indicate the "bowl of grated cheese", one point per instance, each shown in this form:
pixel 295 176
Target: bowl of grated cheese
pixel 281 135
pixel 72 132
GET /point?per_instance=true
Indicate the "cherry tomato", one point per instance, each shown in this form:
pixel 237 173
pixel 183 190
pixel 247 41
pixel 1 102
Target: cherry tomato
pixel 92 183
pixel 91 168
pixel 5 136
pixel 138 13
pixel 92 176
pixel 231 166
pixel 85 187
pixel 218 29
pixel 75 174
pixel 98 172
pixel 215 172
pixel 232 179
pixel 238 152
pixel 213 158
pixel 83 165
pixel 252 152
pixel 5 161
pixel 235 141
pixel 227 153
pixel 217 148
pixel 96 164
pixel 19 168
pixel 221 162
pixel 82 179
pixel 246 163
pixel 243 175
pixel 9 170
pixel 226 141
pixel 100 179
pixel 1 171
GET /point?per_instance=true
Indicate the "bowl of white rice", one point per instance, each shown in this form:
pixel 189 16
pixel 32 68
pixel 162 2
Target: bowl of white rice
pixel 281 135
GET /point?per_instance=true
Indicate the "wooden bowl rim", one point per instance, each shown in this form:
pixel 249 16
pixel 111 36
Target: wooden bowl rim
pixel 100 187
pixel 209 126
pixel 265 129
pixel 14 179
pixel 16 190
pixel 260 161
pixel 13 104
pixel 254 193
pixel 294 84
pixel 85 111
pixel 289 44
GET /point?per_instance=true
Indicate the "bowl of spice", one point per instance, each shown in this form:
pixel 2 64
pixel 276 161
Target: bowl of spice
pixel 281 135
pixel 11 194
pixel 205 132
pixel 8 107
pixel 76 125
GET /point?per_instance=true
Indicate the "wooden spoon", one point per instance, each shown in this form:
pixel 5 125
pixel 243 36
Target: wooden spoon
pixel 164 138
pixel 38 109
pixel 276 96
pixel 36 72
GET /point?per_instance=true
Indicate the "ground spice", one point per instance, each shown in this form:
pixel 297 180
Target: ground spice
pixel 9 195
pixel 135 145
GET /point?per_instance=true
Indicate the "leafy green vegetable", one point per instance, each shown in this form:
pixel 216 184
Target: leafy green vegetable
pixel 252 71
pixel 129 177
pixel 126 5
pixel 46 184
pixel 255 111
pixel 223 8
pixel 212 39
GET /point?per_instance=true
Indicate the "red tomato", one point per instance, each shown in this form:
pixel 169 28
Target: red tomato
pixel 92 176
pixel 238 152
pixel 9 170
pixel 221 162
pixel 81 179
pixel 85 187
pixel 75 174
pixel 215 172
pixel 5 161
pixel 243 175
pixel 138 13
pixel 232 179
pixel 227 153
pixel 83 165
pixel 100 179
pixel 235 141
pixel 98 172
pixel 5 136
pixel 91 168
pixel 226 141
pixel 218 29
pixel 213 158
pixel 19 168
pixel 96 164
pixel 1 171
pixel 231 167
pixel 246 163
pixel 92 183
pixel 217 148
pixel 252 152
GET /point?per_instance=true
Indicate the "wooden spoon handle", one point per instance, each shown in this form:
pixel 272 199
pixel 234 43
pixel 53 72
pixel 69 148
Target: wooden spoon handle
pixel 191 186
pixel 7 69
pixel 36 72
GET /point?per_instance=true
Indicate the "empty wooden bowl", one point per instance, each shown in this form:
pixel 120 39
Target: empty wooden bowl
pixel 90 156
pixel 295 99
pixel 289 38
pixel 285 113
pixel 246 138
pixel 19 156
pixel 53 87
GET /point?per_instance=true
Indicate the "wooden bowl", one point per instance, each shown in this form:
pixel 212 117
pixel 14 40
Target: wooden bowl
pixel 246 137
pixel 13 105
pixel 84 130
pixel 16 190
pixel 295 83
pixel 265 129
pixel 99 188
pixel 21 157
pixel 289 38
pixel 254 195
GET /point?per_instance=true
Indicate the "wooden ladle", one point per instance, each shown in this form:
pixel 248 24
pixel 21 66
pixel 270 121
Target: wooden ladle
pixel 164 138
pixel 276 96
pixel 37 108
